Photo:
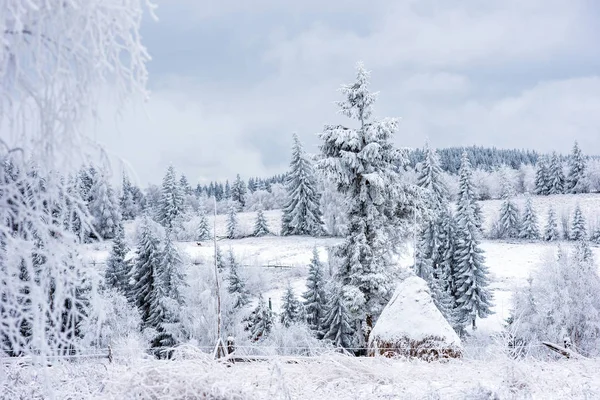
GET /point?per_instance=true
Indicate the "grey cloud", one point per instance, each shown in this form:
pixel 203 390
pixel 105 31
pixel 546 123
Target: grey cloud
pixel 232 81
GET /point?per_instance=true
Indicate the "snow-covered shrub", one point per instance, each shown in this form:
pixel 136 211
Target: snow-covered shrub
pixel 561 300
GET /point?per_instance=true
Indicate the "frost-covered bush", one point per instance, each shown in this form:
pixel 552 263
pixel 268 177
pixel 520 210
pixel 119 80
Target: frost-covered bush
pixel 562 299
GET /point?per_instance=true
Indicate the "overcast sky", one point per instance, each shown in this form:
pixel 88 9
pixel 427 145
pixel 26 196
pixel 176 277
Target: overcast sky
pixel 232 80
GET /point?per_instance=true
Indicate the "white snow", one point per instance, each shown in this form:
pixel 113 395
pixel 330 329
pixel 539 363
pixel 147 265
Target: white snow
pixel 411 314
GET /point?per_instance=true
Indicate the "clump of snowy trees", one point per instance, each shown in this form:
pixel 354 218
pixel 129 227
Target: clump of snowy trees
pixel 550 176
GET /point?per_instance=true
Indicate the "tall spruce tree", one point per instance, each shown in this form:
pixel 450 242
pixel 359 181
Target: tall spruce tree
pixel 363 163
pixel 529 224
pixel 473 296
pixel 551 232
pixel 302 212
pixel 238 192
pixel 117 266
pixel 578 230
pixel 173 270
pixel 237 286
pixel 315 301
pixel 291 308
pixel 542 177
pixel 104 208
pixel 556 176
pixel 232 223
pixel 576 180
pixel 436 195
pixel 147 283
pixel 261 228
pixel 337 322
pixel 170 205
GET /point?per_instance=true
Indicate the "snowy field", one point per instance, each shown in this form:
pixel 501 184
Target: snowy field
pixel 483 371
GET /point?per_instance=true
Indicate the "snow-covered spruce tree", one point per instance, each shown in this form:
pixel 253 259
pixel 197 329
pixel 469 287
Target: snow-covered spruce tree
pixel 184 185
pixel 173 280
pixel 473 296
pixel 509 223
pixel 556 176
pixel 170 205
pixel 529 224
pixel 203 231
pixel 576 178
pixel 260 226
pixel 363 163
pixel 237 286
pixel 595 235
pixel 443 287
pixel 104 207
pixel 302 212
pixel 430 178
pixel 337 321
pixel 542 177
pixel 291 308
pixel 238 192
pixel 127 203
pixel 118 267
pixel 578 230
pixel 147 277
pixel 260 321
pixel 436 199
pixel 232 223
pixel 467 197
pixel 315 301
pixel 551 232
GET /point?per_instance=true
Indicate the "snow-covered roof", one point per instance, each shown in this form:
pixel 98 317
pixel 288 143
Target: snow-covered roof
pixel 411 314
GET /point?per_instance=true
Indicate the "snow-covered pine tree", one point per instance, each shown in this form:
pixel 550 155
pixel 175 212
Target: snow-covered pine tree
pixel 104 208
pixel 473 296
pixel 436 199
pixel 509 223
pixel 173 280
pixel 237 286
pixel 364 165
pixel 576 179
pixel 202 229
pixel 578 230
pixel 170 205
pixel 529 224
pixel 184 185
pixel 551 232
pixel 595 235
pixel 147 283
pixel 173 270
pixel 337 321
pixel 117 266
pixel 260 226
pixel 542 177
pixel 443 288
pixel 291 308
pixel 238 192
pixel 128 207
pixel 430 178
pixel 261 320
pixel 315 301
pixel 302 212
pixel 556 176
pixel 583 252
pixel 232 223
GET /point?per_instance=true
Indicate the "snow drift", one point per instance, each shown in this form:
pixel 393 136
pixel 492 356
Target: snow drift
pixel 412 326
